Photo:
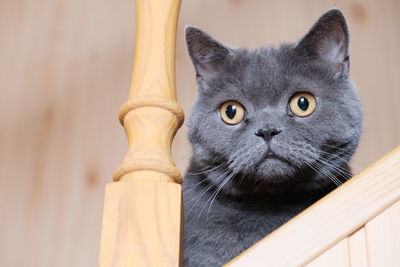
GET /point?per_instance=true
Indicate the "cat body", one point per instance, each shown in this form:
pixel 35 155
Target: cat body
pixel 272 131
pixel 232 224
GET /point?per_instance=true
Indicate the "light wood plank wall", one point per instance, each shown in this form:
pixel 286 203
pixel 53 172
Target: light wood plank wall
pixel 65 69
pixel 376 244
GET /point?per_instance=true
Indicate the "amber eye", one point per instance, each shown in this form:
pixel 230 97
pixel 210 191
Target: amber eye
pixel 302 104
pixel 232 112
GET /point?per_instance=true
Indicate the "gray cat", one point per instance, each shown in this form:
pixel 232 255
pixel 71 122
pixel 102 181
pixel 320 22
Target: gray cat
pixel 272 130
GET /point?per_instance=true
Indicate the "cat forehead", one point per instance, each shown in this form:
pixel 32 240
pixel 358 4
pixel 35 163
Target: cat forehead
pixel 268 57
pixel 266 73
pixel 266 64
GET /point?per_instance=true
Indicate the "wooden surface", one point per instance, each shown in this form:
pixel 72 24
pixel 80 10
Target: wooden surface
pixel 332 219
pixel 358 249
pixel 65 69
pixel 142 208
pixel 383 238
pixel 338 255
pixel 376 244
pixel 141 224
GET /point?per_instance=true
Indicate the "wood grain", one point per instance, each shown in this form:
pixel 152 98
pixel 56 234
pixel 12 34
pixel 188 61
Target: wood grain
pixel 358 249
pixel 331 219
pixel 141 224
pixel 142 210
pixel 65 68
pixel 383 238
pixel 338 255
pixel 64 71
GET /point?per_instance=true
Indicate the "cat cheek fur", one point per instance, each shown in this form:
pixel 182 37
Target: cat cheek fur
pixel 234 193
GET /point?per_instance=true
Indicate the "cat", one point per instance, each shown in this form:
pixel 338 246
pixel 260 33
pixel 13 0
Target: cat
pixel 272 131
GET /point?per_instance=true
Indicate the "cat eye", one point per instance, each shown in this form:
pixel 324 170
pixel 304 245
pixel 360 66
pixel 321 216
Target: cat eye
pixel 302 104
pixel 231 112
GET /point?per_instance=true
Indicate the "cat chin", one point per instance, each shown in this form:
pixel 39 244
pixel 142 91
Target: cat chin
pixel 275 169
pixel 275 186
pixel 270 187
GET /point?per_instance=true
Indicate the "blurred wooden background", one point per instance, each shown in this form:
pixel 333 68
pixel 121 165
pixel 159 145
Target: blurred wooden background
pixel 65 69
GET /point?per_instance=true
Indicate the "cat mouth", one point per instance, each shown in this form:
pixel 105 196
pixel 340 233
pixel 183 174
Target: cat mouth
pixel 271 155
pixel 268 156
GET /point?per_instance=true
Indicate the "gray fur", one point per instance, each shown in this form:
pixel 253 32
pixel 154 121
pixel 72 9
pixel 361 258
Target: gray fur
pixel 233 194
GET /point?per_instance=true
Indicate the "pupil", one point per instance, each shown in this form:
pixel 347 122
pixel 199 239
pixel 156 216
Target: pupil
pixel 230 111
pixel 303 103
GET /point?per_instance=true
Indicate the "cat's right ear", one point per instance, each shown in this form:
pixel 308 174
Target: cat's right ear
pixel 207 54
pixel 328 41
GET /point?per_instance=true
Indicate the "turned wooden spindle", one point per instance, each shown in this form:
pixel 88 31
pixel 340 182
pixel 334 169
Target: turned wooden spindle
pixel 142 210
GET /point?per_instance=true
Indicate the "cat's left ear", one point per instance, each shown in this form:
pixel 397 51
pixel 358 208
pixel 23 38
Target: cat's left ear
pixel 208 55
pixel 328 40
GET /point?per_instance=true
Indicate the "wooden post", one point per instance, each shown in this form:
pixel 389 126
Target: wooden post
pixel 142 210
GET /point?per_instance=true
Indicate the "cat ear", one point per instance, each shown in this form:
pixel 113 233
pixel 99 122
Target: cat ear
pixel 207 54
pixel 328 40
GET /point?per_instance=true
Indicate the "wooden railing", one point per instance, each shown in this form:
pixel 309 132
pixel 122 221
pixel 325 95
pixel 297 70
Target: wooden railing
pixel 142 209
pixel 337 230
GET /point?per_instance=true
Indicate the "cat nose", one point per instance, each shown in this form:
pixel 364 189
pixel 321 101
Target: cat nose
pixel 267 134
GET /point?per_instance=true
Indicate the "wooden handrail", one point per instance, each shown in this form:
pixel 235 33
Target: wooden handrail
pixel 142 209
pixel 331 219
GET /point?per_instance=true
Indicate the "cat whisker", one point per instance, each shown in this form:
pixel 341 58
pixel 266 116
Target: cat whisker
pixel 337 156
pixel 198 197
pixel 202 181
pixel 330 174
pixel 195 185
pixel 322 168
pixel 206 171
pixel 258 186
pixel 343 171
pixel 241 179
pixel 215 195
pixel 333 177
pixel 318 168
pixel 321 162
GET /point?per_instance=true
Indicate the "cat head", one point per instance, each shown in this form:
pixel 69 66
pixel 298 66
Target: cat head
pixel 277 116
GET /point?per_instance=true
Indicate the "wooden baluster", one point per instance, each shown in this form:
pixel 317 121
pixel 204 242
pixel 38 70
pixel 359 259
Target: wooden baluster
pixel 142 210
